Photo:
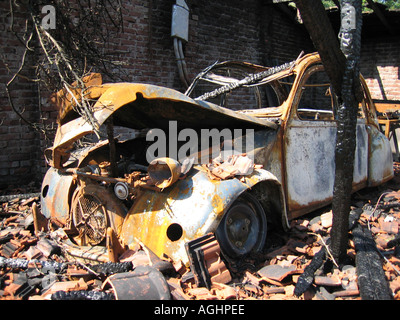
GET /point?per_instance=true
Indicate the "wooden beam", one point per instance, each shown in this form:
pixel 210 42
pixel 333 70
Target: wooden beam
pixel 289 13
pixel 337 3
pixel 380 16
pixel 324 39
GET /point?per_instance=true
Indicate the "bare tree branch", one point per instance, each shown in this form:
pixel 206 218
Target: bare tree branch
pixel 62 57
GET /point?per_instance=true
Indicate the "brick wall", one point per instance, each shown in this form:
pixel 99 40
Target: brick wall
pixel 380 61
pixel 20 145
pixel 220 30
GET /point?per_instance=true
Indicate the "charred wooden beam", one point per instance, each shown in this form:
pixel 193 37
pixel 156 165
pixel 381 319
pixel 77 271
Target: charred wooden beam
pixel 372 282
pixel 337 3
pixel 307 277
pixel 350 44
pixel 324 39
pixel 380 16
pixel 82 295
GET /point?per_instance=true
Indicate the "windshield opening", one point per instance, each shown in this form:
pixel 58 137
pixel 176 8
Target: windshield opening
pixel 231 85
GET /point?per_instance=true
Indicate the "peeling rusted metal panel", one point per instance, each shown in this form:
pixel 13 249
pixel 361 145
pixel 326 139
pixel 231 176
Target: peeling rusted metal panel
pixel 191 208
pixel 310 163
pixel 156 106
pixel 360 174
pixel 55 195
pixel 380 166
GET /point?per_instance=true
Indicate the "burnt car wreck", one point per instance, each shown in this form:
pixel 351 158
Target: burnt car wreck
pixel 109 198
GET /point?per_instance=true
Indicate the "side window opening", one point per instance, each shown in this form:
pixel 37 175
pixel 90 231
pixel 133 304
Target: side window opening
pixel 317 101
pixel 366 110
pixel 362 107
pixel 260 95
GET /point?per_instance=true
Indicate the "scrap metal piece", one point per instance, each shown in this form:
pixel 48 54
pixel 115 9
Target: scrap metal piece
pixel 40 222
pixel 164 172
pixel 113 245
pixel 205 261
pixel 86 253
pixel 93 210
pixel 144 283
pixel 82 253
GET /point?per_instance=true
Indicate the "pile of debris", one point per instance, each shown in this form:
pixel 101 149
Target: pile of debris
pixel 35 265
pixel 234 165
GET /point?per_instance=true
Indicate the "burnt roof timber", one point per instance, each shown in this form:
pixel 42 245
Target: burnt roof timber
pixel 380 15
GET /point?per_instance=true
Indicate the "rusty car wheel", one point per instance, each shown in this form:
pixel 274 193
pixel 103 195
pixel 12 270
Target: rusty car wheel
pixel 243 229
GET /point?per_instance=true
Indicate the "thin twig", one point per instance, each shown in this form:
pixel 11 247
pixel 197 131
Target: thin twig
pixel 81 106
pixel 87 268
pixel 9 83
pixel 65 55
pixel 326 247
pixel 376 206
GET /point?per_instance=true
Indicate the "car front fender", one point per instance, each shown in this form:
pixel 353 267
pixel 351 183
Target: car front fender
pixel 55 195
pixel 194 206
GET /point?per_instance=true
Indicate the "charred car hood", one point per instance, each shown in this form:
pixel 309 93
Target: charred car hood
pixel 140 106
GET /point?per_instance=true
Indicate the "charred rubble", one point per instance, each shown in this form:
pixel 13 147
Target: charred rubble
pixel 35 265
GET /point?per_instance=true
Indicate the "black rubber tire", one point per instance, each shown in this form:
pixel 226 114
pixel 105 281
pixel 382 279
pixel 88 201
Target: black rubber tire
pixel 243 229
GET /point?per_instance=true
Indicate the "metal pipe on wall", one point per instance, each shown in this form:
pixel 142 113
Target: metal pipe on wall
pixel 179 31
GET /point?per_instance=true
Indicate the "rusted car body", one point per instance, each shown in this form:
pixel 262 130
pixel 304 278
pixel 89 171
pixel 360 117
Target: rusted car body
pixel 293 120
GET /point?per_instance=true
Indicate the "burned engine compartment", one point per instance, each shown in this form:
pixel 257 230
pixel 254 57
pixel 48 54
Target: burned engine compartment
pixel 101 191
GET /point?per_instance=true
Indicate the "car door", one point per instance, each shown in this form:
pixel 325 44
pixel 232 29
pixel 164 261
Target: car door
pixel 309 145
pixel 380 158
